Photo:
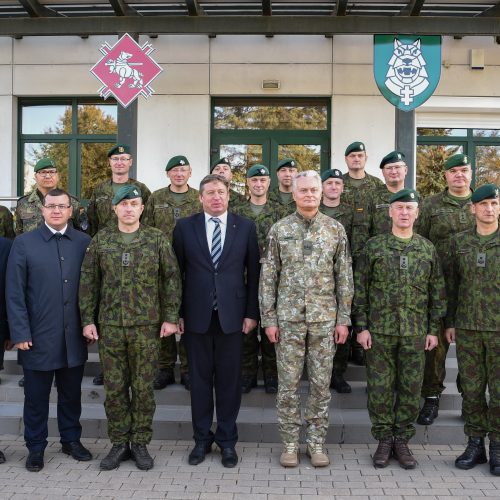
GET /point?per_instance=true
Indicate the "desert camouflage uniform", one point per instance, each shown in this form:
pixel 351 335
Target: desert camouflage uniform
pixel 305 289
pixel 6 223
pixel 270 214
pixel 274 197
pixel 162 211
pixel 129 290
pixel 439 219
pixel 400 298
pixel 100 211
pixel 472 272
pixel 29 213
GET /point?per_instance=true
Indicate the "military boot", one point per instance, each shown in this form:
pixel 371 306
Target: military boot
pixel 317 455
pixel 290 455
pixel 339 384
pixel 141 456
pixel 118 453
pixel 383 453
pixel 248 382
pixel 403 454
pixel 429 411
pixel 474 454
pixel 495 458
pixel 164 377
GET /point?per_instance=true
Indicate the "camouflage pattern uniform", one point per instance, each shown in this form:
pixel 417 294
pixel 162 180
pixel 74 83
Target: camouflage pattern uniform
pixel 274 197
pixel 344 214
pixel 439 219
pixel 271 214
pixel 235 199
pixel 128 290
pixel 29 213
pixel 6 223
pixel 100 210
pixel 400 298
pixel 305 289
pixel 472 272
pixel 378 211
pixel 162 211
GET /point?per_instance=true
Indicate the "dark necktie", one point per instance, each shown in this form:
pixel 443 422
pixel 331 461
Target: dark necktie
pixel 216 251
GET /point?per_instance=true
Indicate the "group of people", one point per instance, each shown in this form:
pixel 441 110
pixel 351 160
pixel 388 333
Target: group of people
pixel 302 274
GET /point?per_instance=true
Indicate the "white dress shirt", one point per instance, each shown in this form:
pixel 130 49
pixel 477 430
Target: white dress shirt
pixel 210 226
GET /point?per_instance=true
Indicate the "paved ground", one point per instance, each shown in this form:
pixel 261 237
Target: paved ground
pixel 258 476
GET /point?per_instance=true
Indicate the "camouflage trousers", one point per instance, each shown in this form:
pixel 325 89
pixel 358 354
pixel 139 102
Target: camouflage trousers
pixel 435 368
pixel 314 344
pixel 478 355
pixel 394 371
pixel 168 354
pixel 250 363
pixel 129 357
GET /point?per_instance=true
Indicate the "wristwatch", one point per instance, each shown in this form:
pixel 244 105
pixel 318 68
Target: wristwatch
pixel 359 329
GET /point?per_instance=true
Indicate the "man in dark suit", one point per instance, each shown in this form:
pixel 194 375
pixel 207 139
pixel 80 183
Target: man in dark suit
pixel 43 274
pixel 218 258
pixel 5 245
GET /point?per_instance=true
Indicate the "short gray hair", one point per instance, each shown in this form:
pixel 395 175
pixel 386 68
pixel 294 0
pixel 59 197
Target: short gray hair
pixel 306 173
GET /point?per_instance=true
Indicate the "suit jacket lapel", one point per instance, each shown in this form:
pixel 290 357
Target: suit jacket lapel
pixel 228 240
pixel 201 234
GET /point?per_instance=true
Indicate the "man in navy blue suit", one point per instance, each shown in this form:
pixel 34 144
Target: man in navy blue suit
pixel 43 274
pixel 218 258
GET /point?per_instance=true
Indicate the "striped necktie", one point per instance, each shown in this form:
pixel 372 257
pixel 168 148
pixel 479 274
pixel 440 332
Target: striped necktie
pixel 216 249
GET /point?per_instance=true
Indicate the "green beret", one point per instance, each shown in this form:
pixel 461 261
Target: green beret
pixel 485 192
pixel 220 161
pixel 287 162
pixel 119 149
pixel 405 195
pixel 257 170
pixel 176 161
pixel 354 147
pixel 334 172
pixel 127 192
pixel 44 163
pixel 458 160
pixel 392 157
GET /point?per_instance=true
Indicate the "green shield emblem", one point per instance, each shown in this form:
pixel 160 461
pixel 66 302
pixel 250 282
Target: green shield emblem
pixel 407 68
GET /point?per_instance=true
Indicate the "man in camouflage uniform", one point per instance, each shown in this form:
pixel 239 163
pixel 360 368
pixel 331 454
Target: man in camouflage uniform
pixel 398 306
pixel 472 272
pixel 442 216
pixel 357 186
pixel 100 211
pixel 163 209
pixel 6 223
pixel 331 205
pixel 305 296
pixel 130 286
pixel 29 207
pixel 222 167
pixel 282 195
pixel 264 213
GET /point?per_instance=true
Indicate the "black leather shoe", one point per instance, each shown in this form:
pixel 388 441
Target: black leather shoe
pixel 163 378
pixel 495 458
pixel 248 382
pixel 429 411
pixel 474 454
pixel 34 462
pixel 358 356
pixel 21 382
pixel 2 457
pixel 77 451
pixel 339 384
pixel 140 454
pixel 271 385
pixel 229 457
pixel 118 453
pixel 198 453
pixel 185 381
pixel 98 379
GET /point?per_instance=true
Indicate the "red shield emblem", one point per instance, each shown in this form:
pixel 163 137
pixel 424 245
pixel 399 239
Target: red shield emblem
pixel 126 70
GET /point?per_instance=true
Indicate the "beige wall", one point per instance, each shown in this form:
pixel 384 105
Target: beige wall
pixel 176 119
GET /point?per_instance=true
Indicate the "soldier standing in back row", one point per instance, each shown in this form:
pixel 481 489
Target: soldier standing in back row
pixel 331 205
pixel 130 287
pixel 398 305
pixel 282 195
pixel 472 273
pixel 163 209
pixel 6 223
pixel 100 210
pixel 264 213
pixel 223 168
pixel 442 216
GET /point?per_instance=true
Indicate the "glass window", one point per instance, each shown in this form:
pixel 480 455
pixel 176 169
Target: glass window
pixel 97 119
pixel 46 119
pixel 448 132
pixel 308 156
pixel 483 132
pixel 487 164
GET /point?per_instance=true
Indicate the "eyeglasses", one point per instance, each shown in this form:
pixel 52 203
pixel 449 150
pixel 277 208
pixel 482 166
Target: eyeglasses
pixel 57 207
pixel 47 173
pixel 120 158
pixel 394 167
